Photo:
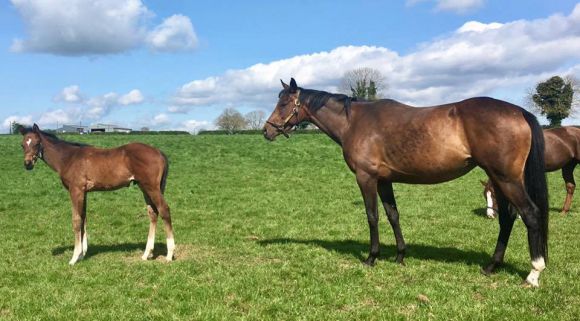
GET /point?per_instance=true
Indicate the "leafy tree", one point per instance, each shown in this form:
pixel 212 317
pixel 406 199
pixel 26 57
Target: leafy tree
pixel 15 128
pixel 255 119
pixel 231 120
pixel 363 83
pixel 554 98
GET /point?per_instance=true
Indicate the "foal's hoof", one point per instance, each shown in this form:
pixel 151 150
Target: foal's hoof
pixel 528 285
pixel 73 261
pixel 169 258
pixel 146 257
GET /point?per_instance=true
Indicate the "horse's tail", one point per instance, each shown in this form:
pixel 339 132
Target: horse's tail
pixel 536 184
pixel 165 172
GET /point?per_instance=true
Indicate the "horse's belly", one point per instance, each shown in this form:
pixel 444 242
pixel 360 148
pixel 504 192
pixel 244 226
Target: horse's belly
pixel 429 175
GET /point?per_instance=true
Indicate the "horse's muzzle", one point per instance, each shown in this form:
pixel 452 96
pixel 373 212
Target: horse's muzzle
pixel 29 165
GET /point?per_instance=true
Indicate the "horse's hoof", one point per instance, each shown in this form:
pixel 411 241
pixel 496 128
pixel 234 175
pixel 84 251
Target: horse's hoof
pixel 369 262
pixel 527 285
pixel 169 258
pixel 488 270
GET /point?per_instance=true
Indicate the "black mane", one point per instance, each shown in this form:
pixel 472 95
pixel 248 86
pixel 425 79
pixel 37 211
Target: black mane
pixel 318 98
pixel 54 138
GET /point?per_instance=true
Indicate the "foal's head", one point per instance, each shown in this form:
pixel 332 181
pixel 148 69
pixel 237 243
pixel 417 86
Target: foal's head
pixel 31 146
pixel 288 112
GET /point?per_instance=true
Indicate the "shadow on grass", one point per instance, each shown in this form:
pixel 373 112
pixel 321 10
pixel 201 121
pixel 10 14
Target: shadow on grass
pixel 480 211
pixel 96 249
pixel 417 251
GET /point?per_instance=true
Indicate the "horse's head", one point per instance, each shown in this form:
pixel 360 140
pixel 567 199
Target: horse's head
pixel 31 146
pixel 490 198
pixel 288 113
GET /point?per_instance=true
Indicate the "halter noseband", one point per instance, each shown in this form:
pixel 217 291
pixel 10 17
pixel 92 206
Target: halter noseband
pixel 282 128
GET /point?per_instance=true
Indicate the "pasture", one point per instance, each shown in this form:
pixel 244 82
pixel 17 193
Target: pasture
pixel 269 231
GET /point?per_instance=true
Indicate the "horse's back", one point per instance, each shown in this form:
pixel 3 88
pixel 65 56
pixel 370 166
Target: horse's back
pixel 562 145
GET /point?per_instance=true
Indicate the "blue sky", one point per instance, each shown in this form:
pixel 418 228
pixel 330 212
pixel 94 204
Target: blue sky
pixel 179 64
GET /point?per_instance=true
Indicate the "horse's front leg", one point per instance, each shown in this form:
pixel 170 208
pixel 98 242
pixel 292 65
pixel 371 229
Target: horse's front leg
pixel 388 198
pixel 78 198
pixel 368 187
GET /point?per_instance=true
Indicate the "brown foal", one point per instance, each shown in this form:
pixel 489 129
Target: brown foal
pixel 84 168
pixel 386 141
pixel 562 152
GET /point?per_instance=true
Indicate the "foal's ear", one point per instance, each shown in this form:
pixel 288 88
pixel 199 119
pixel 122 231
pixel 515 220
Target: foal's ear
pixel 293 86
pixel 35 128
pixel 22 130
pixel 284 84
pixel 483 183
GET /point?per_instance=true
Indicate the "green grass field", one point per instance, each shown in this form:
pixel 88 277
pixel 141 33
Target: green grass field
pixel 269 231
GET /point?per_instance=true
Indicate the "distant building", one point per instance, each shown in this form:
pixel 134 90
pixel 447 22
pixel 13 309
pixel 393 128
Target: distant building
pixel 108 128
pixel 97 128
pixel 73 129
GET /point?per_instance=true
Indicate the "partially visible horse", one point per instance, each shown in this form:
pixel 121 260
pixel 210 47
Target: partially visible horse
pixel 387 141
pixel 562 152
pixel 83 168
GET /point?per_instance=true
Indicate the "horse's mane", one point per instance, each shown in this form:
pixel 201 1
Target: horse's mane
pixel 318 98
pixel 55 139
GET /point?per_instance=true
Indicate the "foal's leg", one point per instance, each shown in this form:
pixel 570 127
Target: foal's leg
pixel 388 198
pixel 568 175
pixel 78 198
pixel 163 209
pixel 368 188
pixel 506 223
pixel 152 226
pixel 516 194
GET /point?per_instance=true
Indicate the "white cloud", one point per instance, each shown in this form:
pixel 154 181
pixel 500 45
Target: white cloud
pixel 478 59
pixel 70 94
pixel 194 126
pixel 174 34
pixel 161 119
pixel 456 6
pixel 131 98
pixel 178 109
pixel 459 6
pixel 23 120
pixel 86 27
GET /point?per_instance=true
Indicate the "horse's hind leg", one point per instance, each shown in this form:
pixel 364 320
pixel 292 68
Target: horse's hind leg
pixel 568 175
pixel 163 209
pixel 506 223
pixel 78 199
pixel 516 194
pixel 152 227
pixel 387 196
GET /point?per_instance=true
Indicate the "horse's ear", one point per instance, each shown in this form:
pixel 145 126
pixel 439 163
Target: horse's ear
pixel 22 130
pixel 35 128
pixel 284 85
pixel 293 86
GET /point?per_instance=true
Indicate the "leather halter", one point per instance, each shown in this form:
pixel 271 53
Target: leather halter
pixel 282 128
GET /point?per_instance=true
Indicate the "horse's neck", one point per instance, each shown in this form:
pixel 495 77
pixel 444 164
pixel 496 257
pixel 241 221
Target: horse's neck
pixel 332 120
pixel 55 153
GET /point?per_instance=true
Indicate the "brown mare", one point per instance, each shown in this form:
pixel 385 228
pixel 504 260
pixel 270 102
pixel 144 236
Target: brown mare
pixel 386 141
pixel 84 168
pixel 562 152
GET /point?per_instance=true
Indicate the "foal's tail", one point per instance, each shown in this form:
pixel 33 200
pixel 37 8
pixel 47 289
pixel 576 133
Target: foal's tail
pixel 536 185
pixel 165 173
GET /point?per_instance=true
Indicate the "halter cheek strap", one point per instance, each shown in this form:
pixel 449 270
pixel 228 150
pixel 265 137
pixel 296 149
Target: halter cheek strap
pixel 297 106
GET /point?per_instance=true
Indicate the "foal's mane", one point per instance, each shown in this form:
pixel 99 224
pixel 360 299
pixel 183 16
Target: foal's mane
pixel 318 98
pixel 55 139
